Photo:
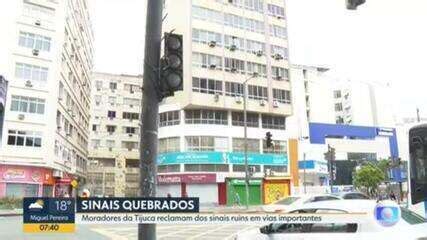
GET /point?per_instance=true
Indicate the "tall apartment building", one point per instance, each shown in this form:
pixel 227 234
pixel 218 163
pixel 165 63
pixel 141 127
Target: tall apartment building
pixel 227 42
pixel 47 57
pixel 114 136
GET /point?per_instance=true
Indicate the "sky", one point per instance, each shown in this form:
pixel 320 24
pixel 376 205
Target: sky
pixel 384 41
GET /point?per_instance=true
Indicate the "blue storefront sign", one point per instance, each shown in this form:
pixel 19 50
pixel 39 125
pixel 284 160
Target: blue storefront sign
pixel 221 158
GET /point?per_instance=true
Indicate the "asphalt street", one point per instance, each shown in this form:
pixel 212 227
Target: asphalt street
pixel 11 228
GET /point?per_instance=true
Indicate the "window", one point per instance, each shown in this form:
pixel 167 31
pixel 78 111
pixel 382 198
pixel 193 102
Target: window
pixel 207 14
pixel 338 107
pixel 111 114
pixel 113 86
pixel 37 11
pixel 243 23
pixel 275 10
pixel 98 99
pixel 206 167
pixel 110 143
pixel 206 143
pixel 130 145
pixel 131 101
pixel 233 89
pixel 241 168
pixel 283 96
pixel 278 50
pixel 206 61
pixel 339 120
pixel 239 145
pixel 234 43
pixel 112 100
pixel 252 119
pixel 255 46
pixel 276 31
pixel 132 88
pixel 254 5
pixel 169 145
pixel 168 168
pixel 234 65
pixel 24 138
pixel 206 117
pixel 279 147
pixel 273 122
pixel 34 41
pixel 276 168
pixel 279 74
pixel 95 127
pixel 256 68
pixel 96 143
pixel 27 104
pixel 209 86
pixel 19 190
pixel 411 217
pixel 111 129
pixel 257 92
pixel 130 130
pixel 98 85
pixel 337 94
pixel 202 36
pixel 169 118
pixel 131 116
pixel 31 72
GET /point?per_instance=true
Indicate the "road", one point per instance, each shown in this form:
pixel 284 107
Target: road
pixel 11 228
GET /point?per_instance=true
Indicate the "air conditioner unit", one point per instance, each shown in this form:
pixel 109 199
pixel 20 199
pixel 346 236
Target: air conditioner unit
pixel 238 99
pixel 279 17
pixel 59 98
pixel 130 134
pixel 21 116
pixel 277 56
pixel 216 97
pixel 275 104
pixel 38 22
pixel 255 74
pixel 110 149
pixel 36 52
pixel 233 47
pixel 259 53
pixel 129 149
pixel 59 128
pixel 262 102
pixel 131 106
pixel 57 174
pixel 28 83
pixel 278 77
pixel 212 44
pixel 233 70
pixel 212 66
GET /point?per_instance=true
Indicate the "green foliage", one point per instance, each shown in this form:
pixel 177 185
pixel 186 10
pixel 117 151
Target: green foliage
pixel 10 203
pixel 384 165
pixel 368 177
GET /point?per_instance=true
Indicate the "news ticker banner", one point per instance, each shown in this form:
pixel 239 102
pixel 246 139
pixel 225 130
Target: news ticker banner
pixel 58 215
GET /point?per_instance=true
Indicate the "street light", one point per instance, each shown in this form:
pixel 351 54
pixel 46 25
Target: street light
pixel 303 158
pixel 245 124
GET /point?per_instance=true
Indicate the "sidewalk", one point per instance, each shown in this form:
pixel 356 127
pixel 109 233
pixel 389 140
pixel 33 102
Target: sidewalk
pixel 10 212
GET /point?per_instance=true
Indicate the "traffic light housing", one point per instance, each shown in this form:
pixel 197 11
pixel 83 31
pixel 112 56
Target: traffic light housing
pixel 171 74
pixel 268 140
pixel 353 4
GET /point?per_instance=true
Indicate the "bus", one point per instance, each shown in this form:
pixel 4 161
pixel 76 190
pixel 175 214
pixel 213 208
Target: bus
pixel 418 163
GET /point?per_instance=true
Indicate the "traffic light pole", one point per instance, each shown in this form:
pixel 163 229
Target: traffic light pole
pixel 150 110
pixel 331 176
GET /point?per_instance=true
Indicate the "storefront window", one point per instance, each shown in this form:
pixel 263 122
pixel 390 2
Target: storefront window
pixel 47 191
pixel 21 190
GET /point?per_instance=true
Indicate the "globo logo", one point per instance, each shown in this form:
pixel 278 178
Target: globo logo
pixel 387 215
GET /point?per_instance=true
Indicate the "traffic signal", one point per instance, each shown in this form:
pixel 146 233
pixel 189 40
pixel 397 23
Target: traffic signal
pixel 353 4
pixel 268 140
pixel 171 74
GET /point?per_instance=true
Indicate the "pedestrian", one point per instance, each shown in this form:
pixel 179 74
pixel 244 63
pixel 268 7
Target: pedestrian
pixel 392 196
pixel 237 199
pixel 169 195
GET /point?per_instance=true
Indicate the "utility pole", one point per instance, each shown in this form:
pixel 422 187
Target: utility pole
pixel 305 166
pixel 418 115
pixel 330 156
pixel 150 110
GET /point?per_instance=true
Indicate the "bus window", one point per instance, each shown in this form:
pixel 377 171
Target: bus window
pixel 418 161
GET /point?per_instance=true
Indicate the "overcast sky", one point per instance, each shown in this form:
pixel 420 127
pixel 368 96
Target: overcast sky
pixel 384 41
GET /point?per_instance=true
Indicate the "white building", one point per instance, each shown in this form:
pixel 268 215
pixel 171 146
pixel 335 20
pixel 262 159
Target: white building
pixel 201 133
pixel 46 55
pixel 114 135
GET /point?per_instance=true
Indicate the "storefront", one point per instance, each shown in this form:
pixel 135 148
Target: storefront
pixel 63 186
pixel 236 191
pixel 201 185
pixel 22 181
pixel 275 189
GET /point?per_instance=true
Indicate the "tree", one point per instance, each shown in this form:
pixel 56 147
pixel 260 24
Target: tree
pixel 368 177
pixel 384 165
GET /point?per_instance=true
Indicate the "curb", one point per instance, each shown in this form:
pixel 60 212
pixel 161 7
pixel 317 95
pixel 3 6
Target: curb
pixel 10 214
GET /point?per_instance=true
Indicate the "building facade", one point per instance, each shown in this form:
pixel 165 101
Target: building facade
pixel 201 128
pixel 3 93
pixel 47 59
pixel 114 137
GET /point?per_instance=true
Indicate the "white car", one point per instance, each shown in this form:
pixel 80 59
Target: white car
pixel 410 225
pixel 291 202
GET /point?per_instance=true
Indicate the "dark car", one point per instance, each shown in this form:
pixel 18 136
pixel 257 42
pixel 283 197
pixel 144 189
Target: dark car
pixel 352 195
